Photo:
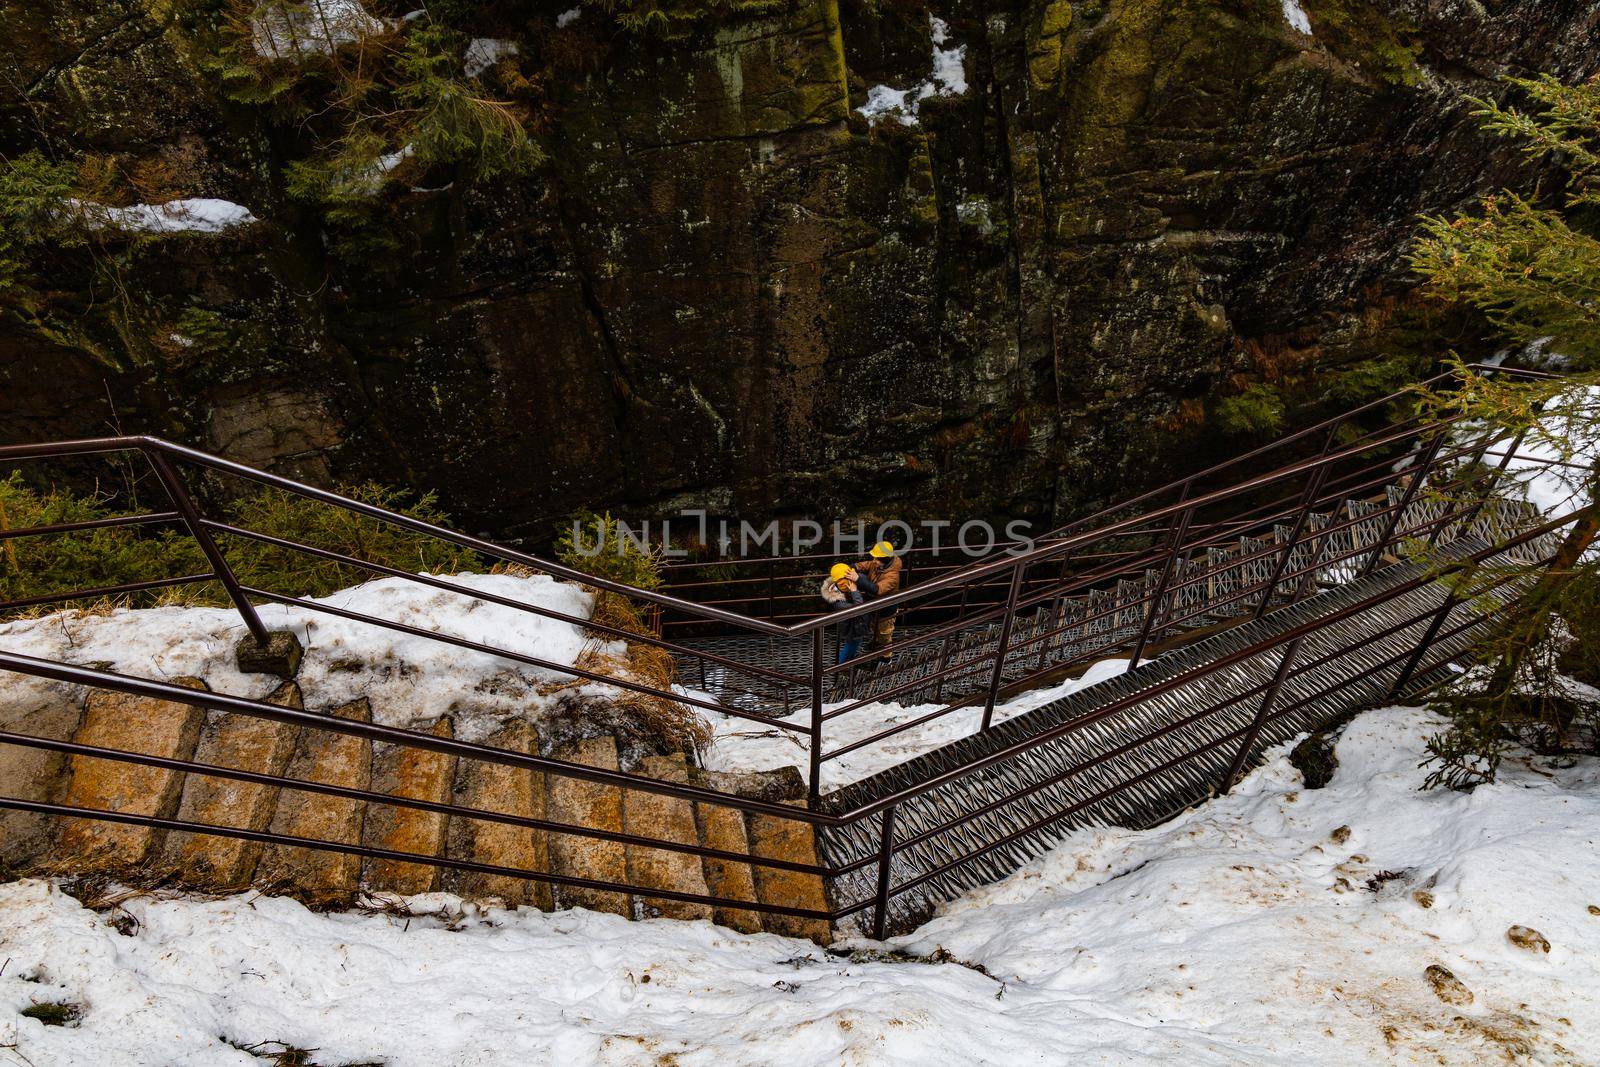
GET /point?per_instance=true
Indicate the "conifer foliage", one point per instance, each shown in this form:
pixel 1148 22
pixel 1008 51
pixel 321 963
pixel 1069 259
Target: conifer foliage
pixel 1530 261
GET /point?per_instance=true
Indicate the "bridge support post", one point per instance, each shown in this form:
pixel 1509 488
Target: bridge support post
pixel 1424 468
pixel 1000 648
pixel 880 912
pixel 814 784
pixel 1268 702
pixel 184 503
pixel 1180 530
pixel 1435 624
pixel 1308 500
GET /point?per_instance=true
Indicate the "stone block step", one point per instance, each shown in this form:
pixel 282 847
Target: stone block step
pixel 238 742
pixel 667 819
pixel 415 774
pixel 575 802
pixel 129 724
pixel 510 791
pixel 330 759
pixel 772 837
pixel 55 712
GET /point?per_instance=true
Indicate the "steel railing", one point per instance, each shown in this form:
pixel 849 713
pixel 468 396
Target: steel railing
pixel 1171 532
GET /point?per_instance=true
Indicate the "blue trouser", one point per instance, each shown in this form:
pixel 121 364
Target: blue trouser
pixel 849 648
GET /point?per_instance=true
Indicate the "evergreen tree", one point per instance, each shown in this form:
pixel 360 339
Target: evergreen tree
pixel 1531 264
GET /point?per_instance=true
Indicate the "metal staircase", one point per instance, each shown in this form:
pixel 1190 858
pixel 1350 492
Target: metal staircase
pixel 1218 586
pixel 1269 594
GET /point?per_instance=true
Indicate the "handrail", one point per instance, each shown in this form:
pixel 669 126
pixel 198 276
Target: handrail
pixel 145 443
pixel 965 576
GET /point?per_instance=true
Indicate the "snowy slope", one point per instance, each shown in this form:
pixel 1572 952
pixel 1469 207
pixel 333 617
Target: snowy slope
pixel 1243 933
pixel 410 680
pixel 742 745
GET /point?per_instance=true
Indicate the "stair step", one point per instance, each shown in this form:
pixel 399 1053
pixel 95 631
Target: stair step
pixel 511 791
pixel 772 837
pixel 328 759
pixel 666 819
pixel 415 774
pixel 591 804
pixel 130 724
pixel 238 742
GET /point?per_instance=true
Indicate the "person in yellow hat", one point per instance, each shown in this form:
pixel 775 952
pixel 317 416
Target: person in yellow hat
pixel 845 587
pixel 886 569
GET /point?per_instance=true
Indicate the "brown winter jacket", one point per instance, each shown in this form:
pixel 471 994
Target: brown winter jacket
pixel 886 575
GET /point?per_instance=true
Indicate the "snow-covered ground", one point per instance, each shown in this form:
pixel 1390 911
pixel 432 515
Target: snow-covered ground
pixel 1277 925
pixel 410 680
pixel 743 745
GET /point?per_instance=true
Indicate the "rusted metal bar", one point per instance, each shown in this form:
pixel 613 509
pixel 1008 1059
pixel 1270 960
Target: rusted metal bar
pixel 880 916
pixel 1312 493
pixel 1000 648
pixel 106 591
pixel 492 598
pixel 178 493
pixel 222 702
pixel 505 653
pixel 1404 677
pixel 1424 468
pixel 369 852
pixel 814 746
pixel 1128 746
pixel 1221 663
pixel 367 796
pixel 1153 607
pixel 148 519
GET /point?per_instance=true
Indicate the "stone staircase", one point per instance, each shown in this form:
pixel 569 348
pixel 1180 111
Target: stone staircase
pixel 171 731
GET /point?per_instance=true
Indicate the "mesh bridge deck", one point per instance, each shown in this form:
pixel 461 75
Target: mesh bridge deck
pixel 1178 762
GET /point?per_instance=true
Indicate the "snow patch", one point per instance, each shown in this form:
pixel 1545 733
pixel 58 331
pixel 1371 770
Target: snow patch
pixel 483 53
pixel 410 680
pixel 1295 16
pixel 742 745
pixel 280 29
pixel 949 78
pixel 194 215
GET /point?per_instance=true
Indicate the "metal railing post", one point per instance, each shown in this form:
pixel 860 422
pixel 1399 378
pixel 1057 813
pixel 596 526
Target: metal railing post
pixel 880 914
pixel 1302 517
pixel 1268 702
pixel 1424 468
pixel 184 503
pixel 1180 530
pixel 1403 679
pixel 1000 648
pixel 814 786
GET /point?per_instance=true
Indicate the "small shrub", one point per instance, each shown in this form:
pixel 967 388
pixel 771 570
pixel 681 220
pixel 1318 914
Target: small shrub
pixel 1257 411
pixel 61 563
pixel 294 518
pixel 596 544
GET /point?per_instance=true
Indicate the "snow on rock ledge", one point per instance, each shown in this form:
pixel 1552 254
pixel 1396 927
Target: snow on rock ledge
pixel 411 681
pixel 949 78
pixel 194 215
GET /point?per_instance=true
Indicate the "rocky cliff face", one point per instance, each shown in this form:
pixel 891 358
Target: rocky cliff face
pixel 739 281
